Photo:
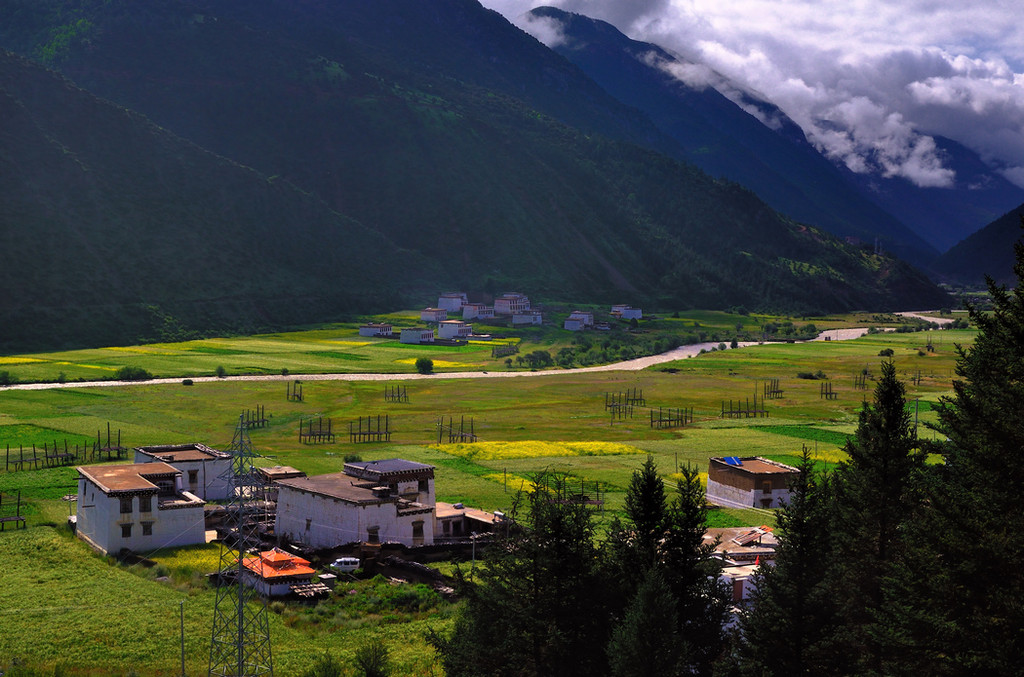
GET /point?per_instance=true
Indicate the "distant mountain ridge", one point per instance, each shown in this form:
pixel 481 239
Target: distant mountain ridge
pixel 444 176
pixel 775 160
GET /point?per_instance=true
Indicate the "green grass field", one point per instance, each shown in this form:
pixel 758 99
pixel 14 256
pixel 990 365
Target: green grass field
pixel 62 604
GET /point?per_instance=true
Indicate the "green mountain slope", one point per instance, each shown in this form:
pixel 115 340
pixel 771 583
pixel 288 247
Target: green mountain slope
pixel 114 229
pixel 989 252
pixel 474 180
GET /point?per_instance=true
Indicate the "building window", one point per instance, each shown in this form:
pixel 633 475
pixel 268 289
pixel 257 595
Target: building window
pixel 165 487
pixel 126 530
pixel 145 503
pixel 147 528
pixel 126 505
pixel 766 487
pixel 417 533
pixel 193 477
pixel 424 486
pixel 373 534
pixel 309 523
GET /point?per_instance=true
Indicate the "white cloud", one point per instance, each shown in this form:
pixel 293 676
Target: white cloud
pixel 870 82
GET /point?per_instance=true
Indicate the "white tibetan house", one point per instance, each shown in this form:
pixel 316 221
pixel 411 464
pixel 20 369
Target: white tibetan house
pixel 205 471
pixel 388 501
pixel 624 312
pixel 511 303
pixel 452 301
pixel 139 507
pixel 433 315
pixel 473 311
pixel 527 317
pixel 416 335
pixel 372 329
pixel 454 329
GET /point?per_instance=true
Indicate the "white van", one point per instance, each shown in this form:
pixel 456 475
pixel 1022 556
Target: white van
pixel 345 564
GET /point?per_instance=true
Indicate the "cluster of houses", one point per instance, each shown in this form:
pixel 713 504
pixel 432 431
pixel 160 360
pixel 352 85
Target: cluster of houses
pixel 160 501
pixel 580 320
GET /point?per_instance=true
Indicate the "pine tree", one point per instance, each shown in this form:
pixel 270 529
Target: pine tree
pixel 646 510
pixel 646 642
pixel 876 496
pixel 790 611
pixel 974 611
pixel 692 574
pixel 538 607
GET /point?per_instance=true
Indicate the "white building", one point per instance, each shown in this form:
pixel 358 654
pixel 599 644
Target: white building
pixel 205 471
pixel 433 314
pixel 574 324
pixel 138 506
pixel 453 301
pixel 454 329
pixel 389 501
pixel 584 316
pixel 375 329
pixel 416 335
pixel 472 311
pixel 511 303
pixel 528 317
pixel 454 521
pixel 625 312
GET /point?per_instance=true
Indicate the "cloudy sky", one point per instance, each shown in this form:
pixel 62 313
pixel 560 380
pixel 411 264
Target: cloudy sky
pixel 870 81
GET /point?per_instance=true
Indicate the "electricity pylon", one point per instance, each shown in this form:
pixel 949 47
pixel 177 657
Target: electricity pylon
pixel 241 633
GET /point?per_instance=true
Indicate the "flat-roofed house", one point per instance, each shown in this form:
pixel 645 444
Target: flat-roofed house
pixel 433 315
pixel 574 324
pixel 751 481
pixel 457 522
pixel 376 329
pixel 205 471
pixel 416 335
pixel 388 501
pixel 452 301
pixel 625 312
pixel 137 506
pixel 454 329
pixel 511 303
pixel 584 316
pixel 527 317
pixel 472 311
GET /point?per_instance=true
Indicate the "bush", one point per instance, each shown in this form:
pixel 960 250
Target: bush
pixel 424 365
pixel 372 659
pixel 326 666
pixel 186 382
pixel 132 374
pixel 284 371
pixel 221 371
pixel 7 378
pixel 886 352
pixel 353 458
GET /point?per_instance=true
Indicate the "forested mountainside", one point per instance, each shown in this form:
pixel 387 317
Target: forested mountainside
pixel 116 230
pixel 456 183
pixel 989 252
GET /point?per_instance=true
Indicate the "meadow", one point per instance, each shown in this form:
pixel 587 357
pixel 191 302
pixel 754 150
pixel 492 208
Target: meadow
pixel 61 604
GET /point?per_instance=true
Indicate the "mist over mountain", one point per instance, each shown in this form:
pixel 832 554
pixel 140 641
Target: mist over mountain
pixel 730 131
pixel 389 149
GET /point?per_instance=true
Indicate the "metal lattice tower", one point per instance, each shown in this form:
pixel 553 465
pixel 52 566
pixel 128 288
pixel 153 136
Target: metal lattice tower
pixel 241 633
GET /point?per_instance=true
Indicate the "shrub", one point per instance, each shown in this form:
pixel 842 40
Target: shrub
pixel 326 666
pixel 372 659
pixel 186 382
pixel 221 371
pixel 353 458
pixel 424 365
pixel 284 371
pixel 7 378
pixel 886 352
pixel 128 373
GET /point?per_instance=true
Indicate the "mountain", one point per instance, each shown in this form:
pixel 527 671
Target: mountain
pixel 732 132
pixel 726 138
pixel 988 252
pixel 114 230
pixel 467 149
pixel 944 216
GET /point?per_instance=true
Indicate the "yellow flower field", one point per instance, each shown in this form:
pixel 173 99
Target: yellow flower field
pixel 495 451
pixel 438 364
pixel 19 360
pixel 515 482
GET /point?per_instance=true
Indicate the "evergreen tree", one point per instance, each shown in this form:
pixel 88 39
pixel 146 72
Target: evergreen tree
pixel 646 510
pixel 538 608
pixel 790 610
pixel 702 600
pixel 646 642
pixel 973 611
pixel 876 497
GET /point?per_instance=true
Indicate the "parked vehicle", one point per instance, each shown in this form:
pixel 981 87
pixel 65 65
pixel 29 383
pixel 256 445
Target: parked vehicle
pixel 345 564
